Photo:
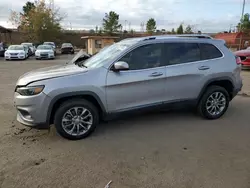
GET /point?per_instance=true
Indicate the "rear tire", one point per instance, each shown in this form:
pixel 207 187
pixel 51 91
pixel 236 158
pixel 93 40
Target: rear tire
pixel 214 102
pixel 70 114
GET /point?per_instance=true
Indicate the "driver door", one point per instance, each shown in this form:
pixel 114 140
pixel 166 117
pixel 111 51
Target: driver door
pixel 140 86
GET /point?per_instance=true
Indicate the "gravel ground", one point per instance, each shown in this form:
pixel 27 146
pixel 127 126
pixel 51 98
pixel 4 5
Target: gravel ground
pixel 165 149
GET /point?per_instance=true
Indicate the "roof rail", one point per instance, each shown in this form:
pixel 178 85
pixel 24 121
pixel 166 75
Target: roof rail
pixel 195 35
pixel 182 35
pixel 150 38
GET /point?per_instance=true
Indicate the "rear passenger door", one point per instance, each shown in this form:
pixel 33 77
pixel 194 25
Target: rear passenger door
pixel 183 74
pixel 188 67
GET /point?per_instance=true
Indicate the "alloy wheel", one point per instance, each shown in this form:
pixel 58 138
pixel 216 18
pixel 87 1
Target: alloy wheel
pixel 77 121
pixel 216 103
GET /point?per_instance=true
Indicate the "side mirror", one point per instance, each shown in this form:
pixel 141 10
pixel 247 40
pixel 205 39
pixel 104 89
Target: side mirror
pixel 120 65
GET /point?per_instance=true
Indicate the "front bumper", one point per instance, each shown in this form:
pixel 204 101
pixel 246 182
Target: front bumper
pixel 47 56
pixel 245 64
pixel 32 110
pixel 67 50
pixel 9 57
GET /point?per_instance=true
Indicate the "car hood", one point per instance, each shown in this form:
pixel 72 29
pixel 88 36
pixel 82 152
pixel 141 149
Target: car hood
pixel 14 51
pixel 50 72
pixel 242 53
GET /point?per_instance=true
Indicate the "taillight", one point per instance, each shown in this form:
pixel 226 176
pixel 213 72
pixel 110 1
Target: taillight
pixel 238 60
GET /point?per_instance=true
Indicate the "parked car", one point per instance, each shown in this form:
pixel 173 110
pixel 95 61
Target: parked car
pixel 28 50
pixel 44 52
pixel 67 48
pixel 131 75
pixel 31 46
pixel 16 52
pixel 3 48
pixel 245 58
pixel 51 44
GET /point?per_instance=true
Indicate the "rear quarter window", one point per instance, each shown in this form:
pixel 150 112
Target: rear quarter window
pixel 209 51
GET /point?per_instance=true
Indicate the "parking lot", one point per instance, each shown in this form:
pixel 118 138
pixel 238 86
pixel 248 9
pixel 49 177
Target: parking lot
pixel 163 149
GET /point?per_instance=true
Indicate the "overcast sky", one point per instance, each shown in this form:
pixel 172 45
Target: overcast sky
pixel 204 15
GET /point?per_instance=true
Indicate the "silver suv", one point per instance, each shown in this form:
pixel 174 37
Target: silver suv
pixel 130 75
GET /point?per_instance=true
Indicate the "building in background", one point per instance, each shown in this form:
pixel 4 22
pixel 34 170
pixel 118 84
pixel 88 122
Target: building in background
pixel 5 34
pixel 95 43
pixel 235 41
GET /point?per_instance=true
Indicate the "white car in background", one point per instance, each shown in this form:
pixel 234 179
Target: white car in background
pixel 44 52
pixel 31 46
pixel 16 52
pixel 51 44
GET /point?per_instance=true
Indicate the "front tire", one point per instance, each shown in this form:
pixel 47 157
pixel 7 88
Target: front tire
pixel 214 102
pixel 76 119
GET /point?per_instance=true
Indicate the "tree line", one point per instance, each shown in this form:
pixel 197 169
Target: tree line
pixel 42 21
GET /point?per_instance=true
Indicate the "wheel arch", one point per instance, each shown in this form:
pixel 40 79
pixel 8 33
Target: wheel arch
pixel 225 82
pixel 87 95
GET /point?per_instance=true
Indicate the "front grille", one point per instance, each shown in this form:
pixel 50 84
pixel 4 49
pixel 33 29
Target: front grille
pixel 44 54
pixel 67 49
pixel 13 53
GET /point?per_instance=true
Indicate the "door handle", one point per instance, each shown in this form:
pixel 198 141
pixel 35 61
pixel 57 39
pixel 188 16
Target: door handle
pixel 155 74
pixel 204 68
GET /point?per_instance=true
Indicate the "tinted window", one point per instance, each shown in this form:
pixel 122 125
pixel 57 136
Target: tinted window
pixel 15 47
pixel 209 51
pixel 177 53
pixel 144 57
pixel 44 47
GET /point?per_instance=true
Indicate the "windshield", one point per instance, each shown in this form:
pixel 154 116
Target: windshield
pixel 49 43
pixel 44 47
pixel 108 53
pixel 66 45
pixel 15 47
pixel 27 44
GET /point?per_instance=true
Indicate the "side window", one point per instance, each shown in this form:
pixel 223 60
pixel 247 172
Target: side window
pixel 209 51
pixel 144 57
pixel 178 53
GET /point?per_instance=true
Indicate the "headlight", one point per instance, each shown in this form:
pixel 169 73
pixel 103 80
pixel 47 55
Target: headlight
pixel 7 53
pixel 27 91
pixel 21 53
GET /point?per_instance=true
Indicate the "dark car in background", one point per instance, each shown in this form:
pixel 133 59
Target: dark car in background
pixel 3 48
pixel 30 53
pixel 67 48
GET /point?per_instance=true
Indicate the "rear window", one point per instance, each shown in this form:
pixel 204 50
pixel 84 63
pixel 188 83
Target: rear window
pixel 209 51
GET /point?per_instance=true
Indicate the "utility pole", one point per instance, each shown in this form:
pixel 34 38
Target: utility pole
pixel 142 27
pixel 242 17
pixel 125 24
pixel 243 10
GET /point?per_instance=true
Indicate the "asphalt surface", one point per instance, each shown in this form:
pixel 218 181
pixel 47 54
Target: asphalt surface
pixel 165 149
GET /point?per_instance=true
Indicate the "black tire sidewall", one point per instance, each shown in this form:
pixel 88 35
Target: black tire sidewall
pixel 202 104
pixel 70 104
